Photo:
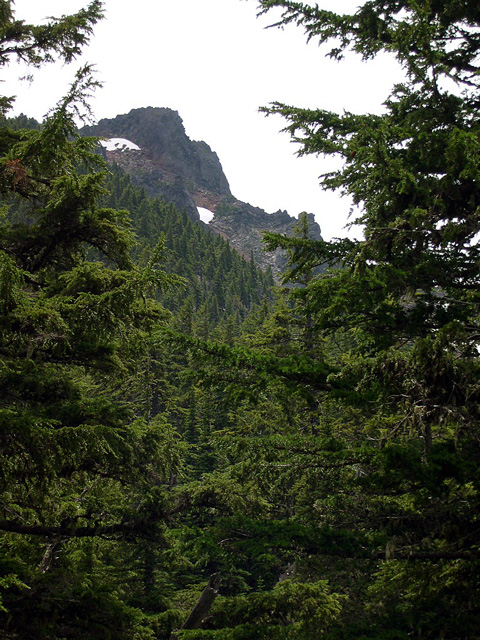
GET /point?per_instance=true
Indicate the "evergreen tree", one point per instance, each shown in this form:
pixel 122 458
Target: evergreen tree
pixel 400 311
pixel 81 474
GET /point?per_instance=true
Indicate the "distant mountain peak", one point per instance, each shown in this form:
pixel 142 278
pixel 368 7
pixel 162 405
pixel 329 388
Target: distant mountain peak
pixel 151 145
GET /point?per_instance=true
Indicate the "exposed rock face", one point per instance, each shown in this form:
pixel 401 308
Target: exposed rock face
pixel 244 226
pixel 169 164
pixel 189 174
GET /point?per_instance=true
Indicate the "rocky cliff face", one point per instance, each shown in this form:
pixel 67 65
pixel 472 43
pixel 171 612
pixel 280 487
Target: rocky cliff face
pixel 168 164
pixel 244 226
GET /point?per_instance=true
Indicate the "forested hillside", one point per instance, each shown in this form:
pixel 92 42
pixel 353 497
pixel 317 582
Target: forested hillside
pixel 187 452
pixel 220 286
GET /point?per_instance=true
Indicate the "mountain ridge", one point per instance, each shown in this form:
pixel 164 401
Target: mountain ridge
pixel 188 173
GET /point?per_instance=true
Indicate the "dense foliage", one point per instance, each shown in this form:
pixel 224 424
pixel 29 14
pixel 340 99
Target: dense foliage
pixel 186 452
pixel 403 306
pixel 220 285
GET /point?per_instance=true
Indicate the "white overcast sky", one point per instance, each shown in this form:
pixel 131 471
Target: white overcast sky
pixel 215 63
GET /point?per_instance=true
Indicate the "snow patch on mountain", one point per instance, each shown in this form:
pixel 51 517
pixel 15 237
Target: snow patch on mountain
pixel 119 144
pixel 205 214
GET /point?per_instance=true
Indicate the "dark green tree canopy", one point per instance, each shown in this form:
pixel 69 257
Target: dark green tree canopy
pixel 400 308
pixel 431 39
pixel 412 171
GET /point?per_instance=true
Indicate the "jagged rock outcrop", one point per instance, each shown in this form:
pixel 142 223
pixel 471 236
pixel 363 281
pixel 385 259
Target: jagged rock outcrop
pixel 169 164
pixel 244 226
pixel 188 173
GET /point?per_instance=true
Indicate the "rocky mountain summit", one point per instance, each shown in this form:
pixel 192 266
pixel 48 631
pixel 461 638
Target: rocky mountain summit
pixel 151 145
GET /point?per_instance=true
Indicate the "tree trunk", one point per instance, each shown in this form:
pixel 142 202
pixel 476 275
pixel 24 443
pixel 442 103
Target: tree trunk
pixel 203 605
pixel 51 554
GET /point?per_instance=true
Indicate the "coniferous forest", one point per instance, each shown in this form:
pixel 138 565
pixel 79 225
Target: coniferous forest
pixel 188 450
